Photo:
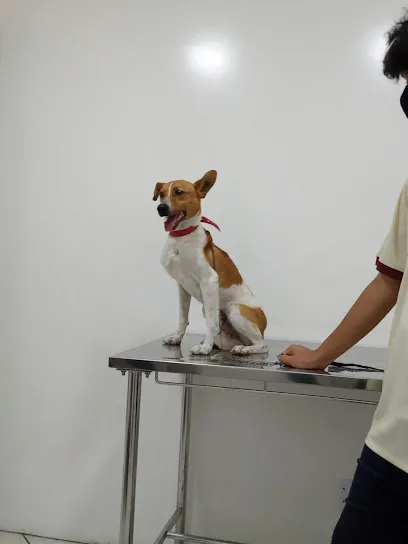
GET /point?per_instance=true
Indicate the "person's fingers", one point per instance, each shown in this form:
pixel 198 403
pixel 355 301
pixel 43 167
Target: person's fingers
pixel 288 351
pixel 291 361
pixel 285 359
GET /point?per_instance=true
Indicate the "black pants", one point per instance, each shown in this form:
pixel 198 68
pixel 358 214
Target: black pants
pixel 376 510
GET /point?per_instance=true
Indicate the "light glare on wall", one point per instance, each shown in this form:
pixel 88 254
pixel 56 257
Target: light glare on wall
pixel 210 59
pixel 378 47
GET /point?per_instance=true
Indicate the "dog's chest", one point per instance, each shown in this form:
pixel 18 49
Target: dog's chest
pixel 184 261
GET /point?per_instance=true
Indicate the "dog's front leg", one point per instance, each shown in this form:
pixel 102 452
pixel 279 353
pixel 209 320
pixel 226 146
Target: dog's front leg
pixel 184 308
pixel 211 303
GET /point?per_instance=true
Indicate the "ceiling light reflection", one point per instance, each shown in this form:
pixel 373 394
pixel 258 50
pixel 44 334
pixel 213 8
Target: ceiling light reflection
pixel 211 59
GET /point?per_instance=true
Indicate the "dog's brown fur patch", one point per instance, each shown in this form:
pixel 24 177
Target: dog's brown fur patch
pixel 255 316
pixel 222 263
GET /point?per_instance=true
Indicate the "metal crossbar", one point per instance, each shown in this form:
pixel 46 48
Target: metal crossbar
pixel 163 535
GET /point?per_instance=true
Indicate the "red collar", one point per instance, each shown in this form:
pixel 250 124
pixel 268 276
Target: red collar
pixel 189 230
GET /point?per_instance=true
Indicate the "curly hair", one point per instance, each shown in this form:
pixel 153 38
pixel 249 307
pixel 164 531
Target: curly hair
pixel 396 58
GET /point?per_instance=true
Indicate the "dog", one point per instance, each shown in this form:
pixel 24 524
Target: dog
pixel 234 319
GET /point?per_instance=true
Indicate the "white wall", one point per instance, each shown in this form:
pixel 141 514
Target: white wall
pixel 98 102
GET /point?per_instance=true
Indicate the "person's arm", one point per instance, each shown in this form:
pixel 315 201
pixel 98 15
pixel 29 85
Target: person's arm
pixel 372 306
pixel 375 302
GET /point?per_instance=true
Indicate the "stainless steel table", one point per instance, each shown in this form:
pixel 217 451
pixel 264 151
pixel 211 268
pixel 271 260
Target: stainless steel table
pixel 259 374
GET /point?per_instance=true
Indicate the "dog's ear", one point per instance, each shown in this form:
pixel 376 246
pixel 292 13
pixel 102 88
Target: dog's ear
pixel 157 189
pixel 206 183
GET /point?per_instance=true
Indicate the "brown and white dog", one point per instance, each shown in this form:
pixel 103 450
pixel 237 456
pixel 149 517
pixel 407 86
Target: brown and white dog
pixel 204 271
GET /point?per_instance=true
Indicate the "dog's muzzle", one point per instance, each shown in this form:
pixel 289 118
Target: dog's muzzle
pixel 163 210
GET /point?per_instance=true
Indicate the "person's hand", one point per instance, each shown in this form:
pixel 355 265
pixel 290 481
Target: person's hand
pixel 301 357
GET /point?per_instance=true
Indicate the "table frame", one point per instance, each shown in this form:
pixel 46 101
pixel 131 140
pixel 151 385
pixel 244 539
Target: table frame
pixel 177 521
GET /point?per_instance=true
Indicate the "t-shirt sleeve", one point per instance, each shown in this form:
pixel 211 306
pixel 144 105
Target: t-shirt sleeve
pixel 392 257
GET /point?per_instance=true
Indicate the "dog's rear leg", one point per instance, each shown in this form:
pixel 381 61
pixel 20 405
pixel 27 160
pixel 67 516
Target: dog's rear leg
pixel 250 324
pixel 227 337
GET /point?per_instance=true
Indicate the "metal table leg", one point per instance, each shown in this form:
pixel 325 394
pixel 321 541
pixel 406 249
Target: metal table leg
pixel 183 455
pixel 130 461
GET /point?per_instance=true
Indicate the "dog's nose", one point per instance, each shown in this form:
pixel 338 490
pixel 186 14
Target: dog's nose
pixel 163 210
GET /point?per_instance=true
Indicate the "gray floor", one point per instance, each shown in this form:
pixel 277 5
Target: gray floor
pixel 15 538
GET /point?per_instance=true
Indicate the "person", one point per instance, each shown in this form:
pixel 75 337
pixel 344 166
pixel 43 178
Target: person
pixel 377 507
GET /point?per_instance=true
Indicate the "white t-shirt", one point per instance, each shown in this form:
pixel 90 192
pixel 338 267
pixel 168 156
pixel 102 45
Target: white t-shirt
pixel 388 436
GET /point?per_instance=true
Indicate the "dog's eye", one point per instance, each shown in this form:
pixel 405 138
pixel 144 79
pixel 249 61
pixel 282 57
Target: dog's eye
pixel 179 192
pixel 161 194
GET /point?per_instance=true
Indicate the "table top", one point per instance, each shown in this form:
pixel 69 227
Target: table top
pixel 154 356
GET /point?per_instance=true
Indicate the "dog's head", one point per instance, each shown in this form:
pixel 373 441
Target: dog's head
pixel 180 200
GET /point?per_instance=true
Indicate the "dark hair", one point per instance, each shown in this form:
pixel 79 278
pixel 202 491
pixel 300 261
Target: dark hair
pixel 396 58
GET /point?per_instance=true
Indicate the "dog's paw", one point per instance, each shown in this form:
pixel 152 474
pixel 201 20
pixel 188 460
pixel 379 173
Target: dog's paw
pixel 173 339
pixel 240 350
pixel 201 349
pixel 248 350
